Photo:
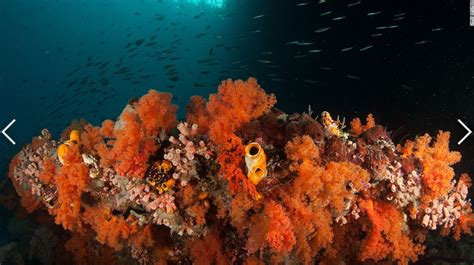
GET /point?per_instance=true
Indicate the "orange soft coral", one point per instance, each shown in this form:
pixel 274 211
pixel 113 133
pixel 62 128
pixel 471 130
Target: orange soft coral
pixel 358 128
pixel 110 230
pixel 156 112
pixel 49 171
pixel 302 147
pixel 316 194
pixel 437 160
pixel 240 204
pixel 71 181
pixel 280 235
pixel 387 236
pixel 336 178
pixel 131 149
pixel 137 132
pixel 235 104
pixel 196 113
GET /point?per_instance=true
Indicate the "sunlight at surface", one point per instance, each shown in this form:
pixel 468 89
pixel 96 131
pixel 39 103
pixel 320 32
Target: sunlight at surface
pixel 213 3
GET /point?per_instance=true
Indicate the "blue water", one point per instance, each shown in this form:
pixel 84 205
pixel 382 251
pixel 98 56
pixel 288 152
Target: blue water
pixel 44 41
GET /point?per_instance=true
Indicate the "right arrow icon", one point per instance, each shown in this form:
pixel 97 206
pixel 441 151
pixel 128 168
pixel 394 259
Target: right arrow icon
pixel 467 134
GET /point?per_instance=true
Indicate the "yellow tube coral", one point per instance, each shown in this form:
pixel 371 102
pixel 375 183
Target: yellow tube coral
pixel 256 162
pixel 74 138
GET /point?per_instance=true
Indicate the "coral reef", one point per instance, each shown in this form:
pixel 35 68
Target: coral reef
pixel 238 182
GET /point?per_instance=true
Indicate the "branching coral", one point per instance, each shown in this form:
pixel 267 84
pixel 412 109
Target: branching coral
pixel 135 191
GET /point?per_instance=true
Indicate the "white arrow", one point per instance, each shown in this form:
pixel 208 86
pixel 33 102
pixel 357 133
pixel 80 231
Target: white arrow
pixel 6 128
pixel 467 129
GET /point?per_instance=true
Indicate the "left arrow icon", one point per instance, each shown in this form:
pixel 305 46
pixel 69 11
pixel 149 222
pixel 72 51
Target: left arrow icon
pixel 4 131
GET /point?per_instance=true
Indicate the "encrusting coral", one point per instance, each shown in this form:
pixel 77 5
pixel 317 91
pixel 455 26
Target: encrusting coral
pixel 145 189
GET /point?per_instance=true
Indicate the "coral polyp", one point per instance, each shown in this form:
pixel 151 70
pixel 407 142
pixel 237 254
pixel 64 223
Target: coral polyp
pixel 241 182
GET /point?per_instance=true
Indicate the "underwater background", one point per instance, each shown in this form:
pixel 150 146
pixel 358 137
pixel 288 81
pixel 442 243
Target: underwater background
pixel 410 63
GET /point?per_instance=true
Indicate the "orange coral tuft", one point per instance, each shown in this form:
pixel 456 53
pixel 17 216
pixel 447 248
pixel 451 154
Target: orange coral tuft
pixel 437 161
pixel 387 237
pixel 71 181
pixel 280 235
pixel 358 128
pixel 235 104
pixel 156 112
pixel 196 113
pixel 49 171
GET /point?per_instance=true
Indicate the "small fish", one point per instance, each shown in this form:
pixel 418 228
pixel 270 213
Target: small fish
pixel 399 15
pixel 139 42
pixel 325 68
pixel 398 18
pixel 200 35
pixel 303 4
pixel 353 77
pixel 346 49
pixel 366 48
pixel 321 30
pixel 376 35
pixel 325 13
pixel 421 42
pixel 373 13
pixel 266 53
pixel 381 27
pixel 259 16
pixel 303 43
pixel 299 56
pixel 264 61
pixel 353 4
pixel 339 18
pixel 211 51
pixel 393 26
pixel 314 51
pixel 436 29
pixel 200 15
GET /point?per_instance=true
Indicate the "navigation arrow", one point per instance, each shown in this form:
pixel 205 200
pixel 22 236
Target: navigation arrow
pixel 6 135
pixel 467 134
